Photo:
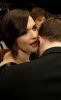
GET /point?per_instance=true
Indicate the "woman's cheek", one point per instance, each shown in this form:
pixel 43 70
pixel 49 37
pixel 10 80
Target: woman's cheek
pixel 25 40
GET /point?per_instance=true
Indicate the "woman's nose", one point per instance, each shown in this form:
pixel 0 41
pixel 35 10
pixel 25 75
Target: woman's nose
pixel 34 34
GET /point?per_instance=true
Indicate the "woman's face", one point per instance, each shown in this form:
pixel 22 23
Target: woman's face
pixel 28 42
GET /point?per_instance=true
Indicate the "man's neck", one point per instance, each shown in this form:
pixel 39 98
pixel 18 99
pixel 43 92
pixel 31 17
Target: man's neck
pixel 46 45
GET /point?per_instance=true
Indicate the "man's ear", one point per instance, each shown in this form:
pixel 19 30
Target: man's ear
pixel 40 41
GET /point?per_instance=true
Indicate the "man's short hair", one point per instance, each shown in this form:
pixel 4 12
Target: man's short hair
pixel 51 29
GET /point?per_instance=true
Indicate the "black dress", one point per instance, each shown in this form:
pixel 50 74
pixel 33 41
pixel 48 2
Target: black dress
pixel 7 65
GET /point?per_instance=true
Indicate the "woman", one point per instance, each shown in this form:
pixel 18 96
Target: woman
pixel 20 34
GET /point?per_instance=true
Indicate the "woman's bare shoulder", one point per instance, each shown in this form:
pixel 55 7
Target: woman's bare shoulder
pixel 6 55
pixel 6 59
pixel 3 62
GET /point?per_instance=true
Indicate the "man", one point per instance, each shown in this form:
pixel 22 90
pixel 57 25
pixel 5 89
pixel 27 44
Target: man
pixel 38 15
pixel 39 79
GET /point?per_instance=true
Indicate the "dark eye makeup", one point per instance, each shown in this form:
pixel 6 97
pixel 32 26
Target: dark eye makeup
pixel 34 27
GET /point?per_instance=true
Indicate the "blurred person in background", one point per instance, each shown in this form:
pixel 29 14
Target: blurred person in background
pixel 38 14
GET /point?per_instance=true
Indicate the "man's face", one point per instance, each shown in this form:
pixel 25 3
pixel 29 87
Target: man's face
pixel 39 21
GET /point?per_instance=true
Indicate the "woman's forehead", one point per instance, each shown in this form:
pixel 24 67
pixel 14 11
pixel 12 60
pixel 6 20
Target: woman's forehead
pixel 30 23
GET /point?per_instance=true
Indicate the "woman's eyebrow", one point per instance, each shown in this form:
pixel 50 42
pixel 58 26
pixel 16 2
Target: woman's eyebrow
pixel 34 26
pixel 31 27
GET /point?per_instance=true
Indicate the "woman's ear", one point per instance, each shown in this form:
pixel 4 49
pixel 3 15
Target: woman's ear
pixel 40 41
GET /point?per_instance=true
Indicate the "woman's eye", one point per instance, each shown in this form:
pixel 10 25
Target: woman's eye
pixel 34 27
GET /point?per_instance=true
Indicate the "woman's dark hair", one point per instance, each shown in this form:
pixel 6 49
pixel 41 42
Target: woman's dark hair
pixel 14 24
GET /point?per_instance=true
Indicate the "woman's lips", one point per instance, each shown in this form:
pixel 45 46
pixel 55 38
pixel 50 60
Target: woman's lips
pixel 34 44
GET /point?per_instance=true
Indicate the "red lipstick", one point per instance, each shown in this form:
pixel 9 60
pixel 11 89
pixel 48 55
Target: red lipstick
pixel 34 44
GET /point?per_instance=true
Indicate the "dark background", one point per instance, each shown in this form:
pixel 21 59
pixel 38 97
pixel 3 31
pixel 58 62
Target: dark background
pixel 52 6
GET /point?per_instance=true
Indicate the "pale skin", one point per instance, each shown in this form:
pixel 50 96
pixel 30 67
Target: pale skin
pixel 27 44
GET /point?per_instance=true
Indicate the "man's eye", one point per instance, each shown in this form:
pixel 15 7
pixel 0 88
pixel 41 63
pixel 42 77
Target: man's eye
pixel 39 20
pixel 34 27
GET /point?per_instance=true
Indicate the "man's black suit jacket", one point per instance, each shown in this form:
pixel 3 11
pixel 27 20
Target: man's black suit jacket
pixel 35 80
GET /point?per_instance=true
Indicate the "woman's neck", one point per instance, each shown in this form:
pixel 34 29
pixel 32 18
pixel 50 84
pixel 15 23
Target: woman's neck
pixel 22 57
